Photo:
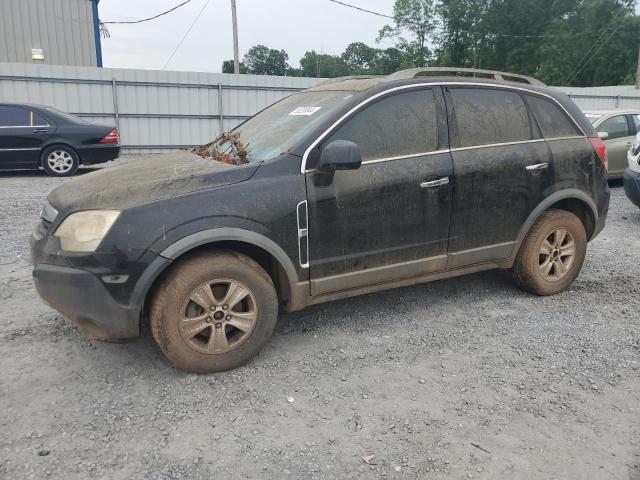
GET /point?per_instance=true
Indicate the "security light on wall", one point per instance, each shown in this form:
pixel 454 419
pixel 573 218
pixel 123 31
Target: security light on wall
pixel 37 54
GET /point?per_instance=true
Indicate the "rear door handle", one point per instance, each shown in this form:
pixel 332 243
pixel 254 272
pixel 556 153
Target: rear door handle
pixel 537 167
pixel 435 183
pixel 40 130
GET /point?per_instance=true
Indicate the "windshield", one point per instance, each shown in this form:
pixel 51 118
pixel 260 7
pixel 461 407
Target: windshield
pixel 592 117
pixel 276 129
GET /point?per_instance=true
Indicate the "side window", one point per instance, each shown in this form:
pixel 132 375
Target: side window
pixel 616 127
pixel 552 121
pixel 636 121
pixel 485 116
pixel 38 121
pixel 11 116
pixel 396 126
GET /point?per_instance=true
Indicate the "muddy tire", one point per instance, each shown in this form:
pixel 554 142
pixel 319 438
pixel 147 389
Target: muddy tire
pixel 214 311
pixel 60 161
pixel 552 253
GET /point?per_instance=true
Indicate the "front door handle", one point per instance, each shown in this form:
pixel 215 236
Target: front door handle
pixel 40 130
pixel 435 183
pixel 537 167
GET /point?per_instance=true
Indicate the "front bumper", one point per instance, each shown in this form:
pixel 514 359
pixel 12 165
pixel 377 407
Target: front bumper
pixel 631 181
pixel 91 289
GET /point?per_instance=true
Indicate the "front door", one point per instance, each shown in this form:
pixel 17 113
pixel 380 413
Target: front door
pixel 389 219
pixel 620 132
pixel 22 133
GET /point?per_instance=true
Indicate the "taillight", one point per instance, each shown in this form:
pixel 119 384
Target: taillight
pixel 111 137
pixel 601 149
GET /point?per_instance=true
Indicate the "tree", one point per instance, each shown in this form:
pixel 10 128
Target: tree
pixel 322 65
pixel 228 67
pixel 359 58
pixel 415 17
pixel 262 60
pixel 388 61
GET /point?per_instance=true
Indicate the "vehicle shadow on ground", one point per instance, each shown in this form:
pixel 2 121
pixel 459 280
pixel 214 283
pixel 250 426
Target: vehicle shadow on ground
pixel 42 174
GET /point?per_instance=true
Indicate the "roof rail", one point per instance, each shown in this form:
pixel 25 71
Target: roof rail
pixel 495 75
pixel 348 77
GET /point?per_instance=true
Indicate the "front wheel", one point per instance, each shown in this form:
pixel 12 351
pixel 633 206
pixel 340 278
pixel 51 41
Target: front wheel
pixel 60 161
pixel 552 253
pixel 213 312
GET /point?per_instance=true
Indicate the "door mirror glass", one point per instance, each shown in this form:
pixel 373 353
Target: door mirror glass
pixel 603 135
pixel 340 155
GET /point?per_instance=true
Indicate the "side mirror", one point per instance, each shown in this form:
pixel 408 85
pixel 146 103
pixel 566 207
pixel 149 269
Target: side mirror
pixel 339 155
pixel 603 135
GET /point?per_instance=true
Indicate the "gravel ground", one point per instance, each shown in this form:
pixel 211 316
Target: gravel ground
pixel 463 378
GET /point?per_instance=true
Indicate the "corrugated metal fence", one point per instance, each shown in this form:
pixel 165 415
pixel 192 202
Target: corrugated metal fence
pixel 161 111
pixel 154 110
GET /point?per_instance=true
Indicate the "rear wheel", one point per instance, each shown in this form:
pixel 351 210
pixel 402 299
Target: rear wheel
pixel 60 161
pixel 552 254
pixel 214 312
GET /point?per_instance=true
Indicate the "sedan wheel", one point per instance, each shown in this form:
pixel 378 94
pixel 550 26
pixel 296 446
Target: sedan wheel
pixel 59 161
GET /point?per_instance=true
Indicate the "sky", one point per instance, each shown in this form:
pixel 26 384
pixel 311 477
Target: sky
pixel 292 25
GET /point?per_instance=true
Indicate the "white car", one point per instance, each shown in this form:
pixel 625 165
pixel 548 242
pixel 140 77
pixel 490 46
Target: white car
pixel 632 173
pixel 620 126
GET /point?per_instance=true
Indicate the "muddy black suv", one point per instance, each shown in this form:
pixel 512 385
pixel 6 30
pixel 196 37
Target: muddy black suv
pixel 356 185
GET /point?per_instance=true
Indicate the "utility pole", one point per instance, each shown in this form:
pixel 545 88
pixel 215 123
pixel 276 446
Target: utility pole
pixel 236 51
pixel 638 73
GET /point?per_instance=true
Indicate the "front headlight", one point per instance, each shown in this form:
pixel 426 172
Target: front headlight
pixel 83 231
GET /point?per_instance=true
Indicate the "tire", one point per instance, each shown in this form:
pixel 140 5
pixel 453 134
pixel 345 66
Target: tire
pixel 192 337
pixel 542 270
pixel 60 161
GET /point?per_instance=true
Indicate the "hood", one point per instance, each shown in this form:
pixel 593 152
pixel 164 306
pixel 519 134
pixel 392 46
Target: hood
pixel 147 180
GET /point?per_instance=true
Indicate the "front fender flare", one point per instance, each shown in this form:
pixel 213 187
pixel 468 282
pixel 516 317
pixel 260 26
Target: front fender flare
pixel 204 237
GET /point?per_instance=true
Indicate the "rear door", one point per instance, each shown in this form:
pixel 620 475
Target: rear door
pixel 390 218
pixel 502 167
pixel 618 142
pixel 22 134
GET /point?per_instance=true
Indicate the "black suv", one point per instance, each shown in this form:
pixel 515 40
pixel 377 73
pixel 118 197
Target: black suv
pixel 356 185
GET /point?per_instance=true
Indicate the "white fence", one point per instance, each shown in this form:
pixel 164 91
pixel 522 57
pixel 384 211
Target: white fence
pixel 154 110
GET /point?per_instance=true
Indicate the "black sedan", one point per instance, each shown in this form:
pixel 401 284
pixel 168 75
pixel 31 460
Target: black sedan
pixel 33 136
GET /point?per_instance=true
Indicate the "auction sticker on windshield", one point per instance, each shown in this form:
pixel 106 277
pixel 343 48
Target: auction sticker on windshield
pixel 305 111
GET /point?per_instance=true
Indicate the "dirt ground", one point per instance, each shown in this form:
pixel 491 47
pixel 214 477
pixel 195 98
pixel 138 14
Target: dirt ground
pixel 463 378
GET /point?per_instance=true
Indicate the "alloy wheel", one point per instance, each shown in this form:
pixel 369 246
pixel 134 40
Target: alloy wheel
pixel 60 161
pixel 218 316
pixel 556 255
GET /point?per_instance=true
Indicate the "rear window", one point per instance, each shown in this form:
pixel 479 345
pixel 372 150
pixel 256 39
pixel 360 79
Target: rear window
pixel 397 126
pixel 486 116
pixel 552 121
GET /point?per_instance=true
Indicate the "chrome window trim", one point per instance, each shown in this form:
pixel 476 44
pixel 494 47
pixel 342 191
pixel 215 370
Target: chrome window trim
pixel 503 144
pixel 323 135
pixel 25 126
pixel 572 137
pixel 402 157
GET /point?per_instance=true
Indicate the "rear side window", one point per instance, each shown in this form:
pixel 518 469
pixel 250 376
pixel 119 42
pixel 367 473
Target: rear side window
pixel 11 116
pixel 616 127
pixel 636 121
pixel 552 121
pixel 486 116
pixel 397 126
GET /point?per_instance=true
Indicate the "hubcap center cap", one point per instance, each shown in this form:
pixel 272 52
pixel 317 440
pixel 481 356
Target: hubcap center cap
pixel 218 316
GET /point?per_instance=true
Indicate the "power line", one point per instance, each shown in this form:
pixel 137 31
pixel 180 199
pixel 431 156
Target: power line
pixel 186 34
pixel 362 9
pixel 613 32
pixel 150 18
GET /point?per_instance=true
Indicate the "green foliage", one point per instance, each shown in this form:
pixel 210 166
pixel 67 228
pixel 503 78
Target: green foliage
pixel 562 42
pixel 227 67
pixel 262 60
